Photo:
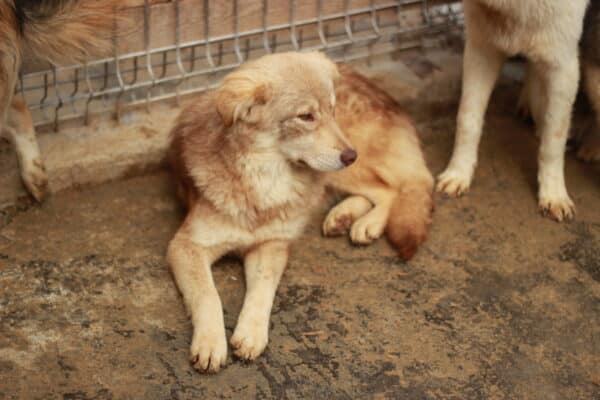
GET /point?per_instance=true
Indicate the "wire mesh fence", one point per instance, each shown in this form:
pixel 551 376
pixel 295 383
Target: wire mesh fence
pixel 184 47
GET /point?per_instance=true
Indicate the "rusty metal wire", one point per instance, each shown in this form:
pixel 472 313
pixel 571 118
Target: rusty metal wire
pixel 159 73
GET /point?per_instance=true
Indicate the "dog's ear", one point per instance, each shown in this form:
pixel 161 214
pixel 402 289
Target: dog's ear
pixel 326 64
pixel 239 96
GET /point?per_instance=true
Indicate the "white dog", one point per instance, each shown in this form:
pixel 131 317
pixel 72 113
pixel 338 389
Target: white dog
pixel 547 32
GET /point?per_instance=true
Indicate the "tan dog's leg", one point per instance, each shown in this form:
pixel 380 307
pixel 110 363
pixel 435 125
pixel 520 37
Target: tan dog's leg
pixel 481 67
pixel 17 123
pixel 371 225
pixel 22 133
pixel 341 217
pixel 263 266
pixel 590 148
pixel 9 69
pixel 191 264
pixel 561 83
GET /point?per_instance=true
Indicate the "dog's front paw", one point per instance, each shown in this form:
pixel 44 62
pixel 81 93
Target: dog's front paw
pixel 367 228
pixel 337 222
pixel 559 208
pixel 35 179
pixel 453 182
pixel 250 339
pixel 208 352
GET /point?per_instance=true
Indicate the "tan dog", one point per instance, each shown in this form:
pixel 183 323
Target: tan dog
pixel 59 31
pixel 253 157
pixel 547 32
pixel 590 55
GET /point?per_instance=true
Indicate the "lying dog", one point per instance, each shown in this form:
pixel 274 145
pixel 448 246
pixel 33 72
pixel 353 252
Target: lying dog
pixel 547 32
pixel 59 31
pixel 252 159
pixel 590 56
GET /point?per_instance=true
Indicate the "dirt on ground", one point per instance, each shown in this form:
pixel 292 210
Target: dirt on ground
pixel 500 303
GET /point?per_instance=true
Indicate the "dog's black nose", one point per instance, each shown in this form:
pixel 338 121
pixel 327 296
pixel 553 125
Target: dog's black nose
pixel 348 156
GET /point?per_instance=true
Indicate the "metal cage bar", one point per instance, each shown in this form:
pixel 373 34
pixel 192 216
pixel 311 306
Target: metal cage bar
pixel 190 65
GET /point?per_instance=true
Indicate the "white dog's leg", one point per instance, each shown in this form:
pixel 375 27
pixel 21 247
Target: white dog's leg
pixel 561 83
pixel 532 98
pixel 481 67
pixel 263 267
pixel 190 264
pixel 590 148
pixel 21 131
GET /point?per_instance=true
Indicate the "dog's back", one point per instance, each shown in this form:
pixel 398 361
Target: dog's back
pixel 62 31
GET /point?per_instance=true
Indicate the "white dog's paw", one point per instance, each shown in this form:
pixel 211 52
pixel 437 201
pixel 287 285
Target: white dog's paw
pixel 208 352
pixel 250 339
pixel 453 182
pixel 559 208
pixel 337 222
pixel 367 228
pixel 590 148
pixel 35 178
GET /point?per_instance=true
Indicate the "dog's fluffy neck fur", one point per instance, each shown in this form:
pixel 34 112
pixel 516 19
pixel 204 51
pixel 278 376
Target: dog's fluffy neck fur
pixel 529 11
pixel 255 183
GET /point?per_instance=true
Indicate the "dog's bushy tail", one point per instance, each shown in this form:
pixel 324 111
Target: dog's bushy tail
pixel 410 217
pixel 68 31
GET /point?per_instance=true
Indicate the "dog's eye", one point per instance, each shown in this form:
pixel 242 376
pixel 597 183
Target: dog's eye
pixel 307 117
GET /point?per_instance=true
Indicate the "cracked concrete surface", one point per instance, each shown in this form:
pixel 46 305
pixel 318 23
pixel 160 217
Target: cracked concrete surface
pixel 500 303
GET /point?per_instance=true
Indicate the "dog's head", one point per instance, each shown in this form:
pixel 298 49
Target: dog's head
pixel 286 102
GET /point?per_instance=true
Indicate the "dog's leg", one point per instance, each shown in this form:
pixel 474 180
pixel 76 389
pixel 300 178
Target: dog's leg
pixel 263 266
pixel 590 148
pixel 341 217
pixel 371 225
pixel 10 63
pixel 561 83
pixel 531 100
pixel 190 264
pixel 17 123
pixel 523 109
pixel 22 133
pixel 481 67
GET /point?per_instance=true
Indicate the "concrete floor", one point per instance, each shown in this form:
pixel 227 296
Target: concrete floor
pixel 500 303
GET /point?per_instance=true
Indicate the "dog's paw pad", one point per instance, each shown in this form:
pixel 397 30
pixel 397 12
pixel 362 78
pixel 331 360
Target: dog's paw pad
pixel 208 352
pixel 453 183
pixel 336 223
pixel 249 342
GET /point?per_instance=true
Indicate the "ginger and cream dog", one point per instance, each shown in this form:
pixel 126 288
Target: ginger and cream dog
pixel 590 60
pixel 547 32
pixel 252 159
pixel 58 31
